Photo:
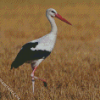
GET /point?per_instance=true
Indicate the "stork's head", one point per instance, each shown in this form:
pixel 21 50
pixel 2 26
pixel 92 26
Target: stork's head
pixel 53 13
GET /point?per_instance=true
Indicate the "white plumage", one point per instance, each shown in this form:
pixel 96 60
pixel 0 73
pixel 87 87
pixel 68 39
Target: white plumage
pixel 47 42
pixel 36 51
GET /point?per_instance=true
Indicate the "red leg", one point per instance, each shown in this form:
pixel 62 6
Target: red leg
pixel 32 74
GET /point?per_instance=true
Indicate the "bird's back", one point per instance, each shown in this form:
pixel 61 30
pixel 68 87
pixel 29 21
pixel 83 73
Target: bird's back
pixel 29 53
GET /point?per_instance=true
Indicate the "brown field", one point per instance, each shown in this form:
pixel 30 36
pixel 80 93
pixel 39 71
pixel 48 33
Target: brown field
pixel 72 71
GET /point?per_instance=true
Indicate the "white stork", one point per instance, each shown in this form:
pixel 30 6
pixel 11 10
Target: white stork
pixel 34 52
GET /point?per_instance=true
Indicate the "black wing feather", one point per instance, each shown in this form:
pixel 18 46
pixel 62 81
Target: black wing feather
pixel 22 55
pixel 26 54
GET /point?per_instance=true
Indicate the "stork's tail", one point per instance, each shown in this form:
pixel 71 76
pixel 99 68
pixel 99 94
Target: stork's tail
pixel 14 64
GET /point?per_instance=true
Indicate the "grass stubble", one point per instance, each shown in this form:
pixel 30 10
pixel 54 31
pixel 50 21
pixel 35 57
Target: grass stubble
pixel 72 69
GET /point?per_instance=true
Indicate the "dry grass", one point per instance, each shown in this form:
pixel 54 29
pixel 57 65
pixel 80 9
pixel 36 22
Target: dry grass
pixel 71 71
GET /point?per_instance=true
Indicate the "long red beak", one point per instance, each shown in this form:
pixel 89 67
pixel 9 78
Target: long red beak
pixel 64 20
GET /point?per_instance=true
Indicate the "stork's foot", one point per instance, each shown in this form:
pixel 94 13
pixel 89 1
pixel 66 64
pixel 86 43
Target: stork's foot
pixel 34 77
pixel 44 81
pixel 45 84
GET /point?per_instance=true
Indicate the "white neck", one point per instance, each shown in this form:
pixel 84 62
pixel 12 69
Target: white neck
pixel 53 24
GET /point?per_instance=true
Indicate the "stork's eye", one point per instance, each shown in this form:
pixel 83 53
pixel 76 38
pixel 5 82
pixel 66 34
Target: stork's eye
pixel 52 11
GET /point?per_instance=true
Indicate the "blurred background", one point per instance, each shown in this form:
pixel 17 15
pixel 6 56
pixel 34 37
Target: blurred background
pixel 72 69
